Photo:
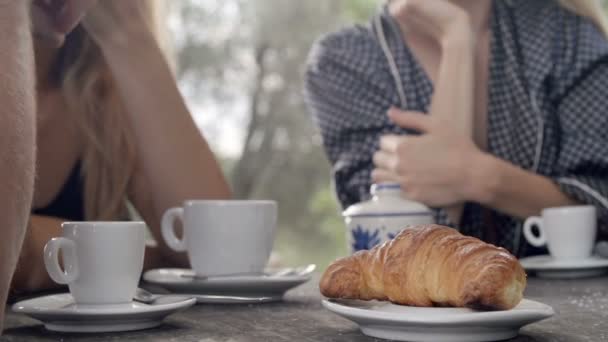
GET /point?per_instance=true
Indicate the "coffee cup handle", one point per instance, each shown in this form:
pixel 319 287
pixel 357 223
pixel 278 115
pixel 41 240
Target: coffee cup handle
pixel 536 241
pixel 168 229
pixel 70 271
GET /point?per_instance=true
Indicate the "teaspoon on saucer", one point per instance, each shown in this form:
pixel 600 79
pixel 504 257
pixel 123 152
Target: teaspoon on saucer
pixel 284 272
pixel 146 297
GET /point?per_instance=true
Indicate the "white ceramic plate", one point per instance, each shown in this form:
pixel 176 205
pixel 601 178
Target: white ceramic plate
pixel 59 313
pixel 225 290
pixel 547 267
pixel 405 323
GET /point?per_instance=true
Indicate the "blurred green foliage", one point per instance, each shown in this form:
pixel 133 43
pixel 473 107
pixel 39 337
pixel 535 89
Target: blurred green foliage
pixel 321 244
pixel 360 10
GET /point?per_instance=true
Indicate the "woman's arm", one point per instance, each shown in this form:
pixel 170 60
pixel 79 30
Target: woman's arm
pixel 175 162
pixel 496 183
pixel 450 28
pixel 174 154
pixel 175 157
pixel 17 135
pixel 510 189
pixel 452 100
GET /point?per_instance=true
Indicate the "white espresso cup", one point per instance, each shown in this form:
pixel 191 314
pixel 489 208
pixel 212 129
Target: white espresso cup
pixel 102 261
pixel 568 232
pixel 223 237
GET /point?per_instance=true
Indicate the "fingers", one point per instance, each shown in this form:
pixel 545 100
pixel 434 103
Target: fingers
pixel 386 161
pixel 384 176
pixel 390 143
pixel 411 120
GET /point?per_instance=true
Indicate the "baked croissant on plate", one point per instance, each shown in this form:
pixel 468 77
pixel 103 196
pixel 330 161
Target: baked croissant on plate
pixel 430 265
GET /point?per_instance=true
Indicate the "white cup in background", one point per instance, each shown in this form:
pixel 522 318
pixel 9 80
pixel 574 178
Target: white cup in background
pixel 568 232
pixel 102 261
pixel 223 237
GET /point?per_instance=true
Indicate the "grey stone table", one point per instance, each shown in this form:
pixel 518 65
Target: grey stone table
pixel 581 315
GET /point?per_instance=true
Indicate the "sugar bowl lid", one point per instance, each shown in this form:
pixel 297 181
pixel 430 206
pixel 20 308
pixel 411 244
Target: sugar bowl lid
pixel 387 200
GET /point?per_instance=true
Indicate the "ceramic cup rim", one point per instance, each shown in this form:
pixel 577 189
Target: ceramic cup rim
pixel 105 224
pixel 569 210
pixel 229 203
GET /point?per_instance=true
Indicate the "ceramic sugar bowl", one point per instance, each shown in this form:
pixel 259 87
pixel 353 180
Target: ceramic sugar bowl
pixel 382 217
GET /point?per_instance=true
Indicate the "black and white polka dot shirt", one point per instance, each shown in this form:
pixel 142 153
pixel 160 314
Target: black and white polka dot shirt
pixel 547 105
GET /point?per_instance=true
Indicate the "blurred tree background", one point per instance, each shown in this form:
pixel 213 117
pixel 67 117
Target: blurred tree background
pixel 241 65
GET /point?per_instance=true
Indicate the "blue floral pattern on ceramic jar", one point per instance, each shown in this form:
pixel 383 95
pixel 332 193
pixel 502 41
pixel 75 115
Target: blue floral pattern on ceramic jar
pixel 364 239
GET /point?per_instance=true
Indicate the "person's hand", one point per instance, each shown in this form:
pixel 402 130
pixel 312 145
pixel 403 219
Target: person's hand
pixel 432 168
pixel 120 21
pixel 439 19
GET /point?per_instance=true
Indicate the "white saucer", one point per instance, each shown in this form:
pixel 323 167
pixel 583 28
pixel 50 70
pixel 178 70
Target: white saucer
pixel 546 267
pixel 59 313
pixel 404 323
pixel 253 289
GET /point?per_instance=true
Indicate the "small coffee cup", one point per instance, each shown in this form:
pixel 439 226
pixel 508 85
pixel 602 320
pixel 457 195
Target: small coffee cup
pixel 223 237
pixel 102 261
pixel 568 232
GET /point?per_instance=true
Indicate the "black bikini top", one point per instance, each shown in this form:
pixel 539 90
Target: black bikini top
pixel 69 204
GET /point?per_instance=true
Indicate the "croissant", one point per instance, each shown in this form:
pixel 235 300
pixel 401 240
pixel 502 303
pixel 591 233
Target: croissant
pixel 429 265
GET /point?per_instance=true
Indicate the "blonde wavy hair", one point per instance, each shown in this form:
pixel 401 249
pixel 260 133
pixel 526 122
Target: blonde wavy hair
pixel 592 9
pixel 109 155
